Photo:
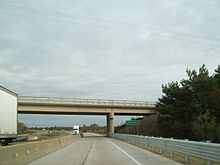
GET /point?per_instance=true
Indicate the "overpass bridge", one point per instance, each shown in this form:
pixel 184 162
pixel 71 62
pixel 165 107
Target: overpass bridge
pixel 109 108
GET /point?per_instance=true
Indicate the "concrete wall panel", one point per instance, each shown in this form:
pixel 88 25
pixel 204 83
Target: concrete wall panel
pixel 22 154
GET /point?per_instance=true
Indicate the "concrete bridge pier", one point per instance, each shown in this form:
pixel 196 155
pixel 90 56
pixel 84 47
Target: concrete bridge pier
pixel 110 123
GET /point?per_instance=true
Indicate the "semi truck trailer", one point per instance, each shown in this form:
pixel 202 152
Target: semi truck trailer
pixel 8 116
pixel 75 129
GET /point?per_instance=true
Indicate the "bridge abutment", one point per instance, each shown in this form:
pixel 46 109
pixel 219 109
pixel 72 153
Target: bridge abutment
pixel 110 123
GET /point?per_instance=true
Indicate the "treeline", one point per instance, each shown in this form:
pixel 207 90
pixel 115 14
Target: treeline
pixel 58 128
pixel 90 128
pixel 190 109
pixel 21 127
pixel 94 128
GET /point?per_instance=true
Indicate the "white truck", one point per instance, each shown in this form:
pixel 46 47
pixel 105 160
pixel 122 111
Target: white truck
pixel 75 130
pixel 8 116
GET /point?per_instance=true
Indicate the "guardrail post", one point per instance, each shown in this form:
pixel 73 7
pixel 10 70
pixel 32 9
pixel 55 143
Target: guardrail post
pixel 161 151
pixel 171 151
pixel 146 141
pixel 143 142
pixel 161 147
pixel 136 140
pixel 208 162
pixel 186 155
pixel 186 158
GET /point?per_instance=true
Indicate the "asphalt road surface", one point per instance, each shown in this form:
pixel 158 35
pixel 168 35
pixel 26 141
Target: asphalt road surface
pixel 99 150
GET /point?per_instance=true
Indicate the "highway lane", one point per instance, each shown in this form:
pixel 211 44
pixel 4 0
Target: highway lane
pixel 99 150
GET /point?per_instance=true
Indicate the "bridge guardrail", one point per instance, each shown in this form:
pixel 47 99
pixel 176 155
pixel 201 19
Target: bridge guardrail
pixel 210 152
pixel 149 104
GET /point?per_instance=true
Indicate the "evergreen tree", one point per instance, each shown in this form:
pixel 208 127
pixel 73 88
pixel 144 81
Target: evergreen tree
pixel 190 109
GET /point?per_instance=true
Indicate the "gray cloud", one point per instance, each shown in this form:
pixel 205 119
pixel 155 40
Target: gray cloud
pixel 105 49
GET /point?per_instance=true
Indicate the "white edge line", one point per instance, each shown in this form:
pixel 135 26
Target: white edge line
pixel 126 154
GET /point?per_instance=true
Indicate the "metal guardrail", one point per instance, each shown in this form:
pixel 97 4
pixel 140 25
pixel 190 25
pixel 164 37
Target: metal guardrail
pixel 51 100
pixel 207 151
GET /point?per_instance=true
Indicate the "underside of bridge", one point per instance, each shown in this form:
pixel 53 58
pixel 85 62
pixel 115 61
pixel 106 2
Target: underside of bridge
pixel 68 109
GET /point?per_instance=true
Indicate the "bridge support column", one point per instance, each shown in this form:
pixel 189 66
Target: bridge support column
pixel 110 124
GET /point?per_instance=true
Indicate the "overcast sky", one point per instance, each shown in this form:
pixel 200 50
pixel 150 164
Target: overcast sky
pixel 121 49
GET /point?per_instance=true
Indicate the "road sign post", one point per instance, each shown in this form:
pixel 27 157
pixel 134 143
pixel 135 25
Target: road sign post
pixel 133 122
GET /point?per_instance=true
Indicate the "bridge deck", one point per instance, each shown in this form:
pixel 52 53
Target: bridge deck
pixel 85 102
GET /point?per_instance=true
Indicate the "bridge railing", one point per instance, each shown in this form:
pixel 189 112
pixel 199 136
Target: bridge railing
pixel 26 99
pixel 210 152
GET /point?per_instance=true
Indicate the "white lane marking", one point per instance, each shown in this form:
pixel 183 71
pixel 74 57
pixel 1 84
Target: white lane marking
pixel 126 153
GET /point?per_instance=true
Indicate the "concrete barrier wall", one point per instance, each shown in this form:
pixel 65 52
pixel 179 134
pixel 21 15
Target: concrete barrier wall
pixel 22 154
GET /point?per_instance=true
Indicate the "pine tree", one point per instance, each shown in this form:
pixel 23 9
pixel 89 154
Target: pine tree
pixel 190 109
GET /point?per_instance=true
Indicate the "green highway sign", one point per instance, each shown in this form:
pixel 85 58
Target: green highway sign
pixel 133 122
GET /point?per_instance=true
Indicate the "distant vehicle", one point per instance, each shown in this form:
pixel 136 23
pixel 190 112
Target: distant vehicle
pixel 75 130
pixel 8 116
